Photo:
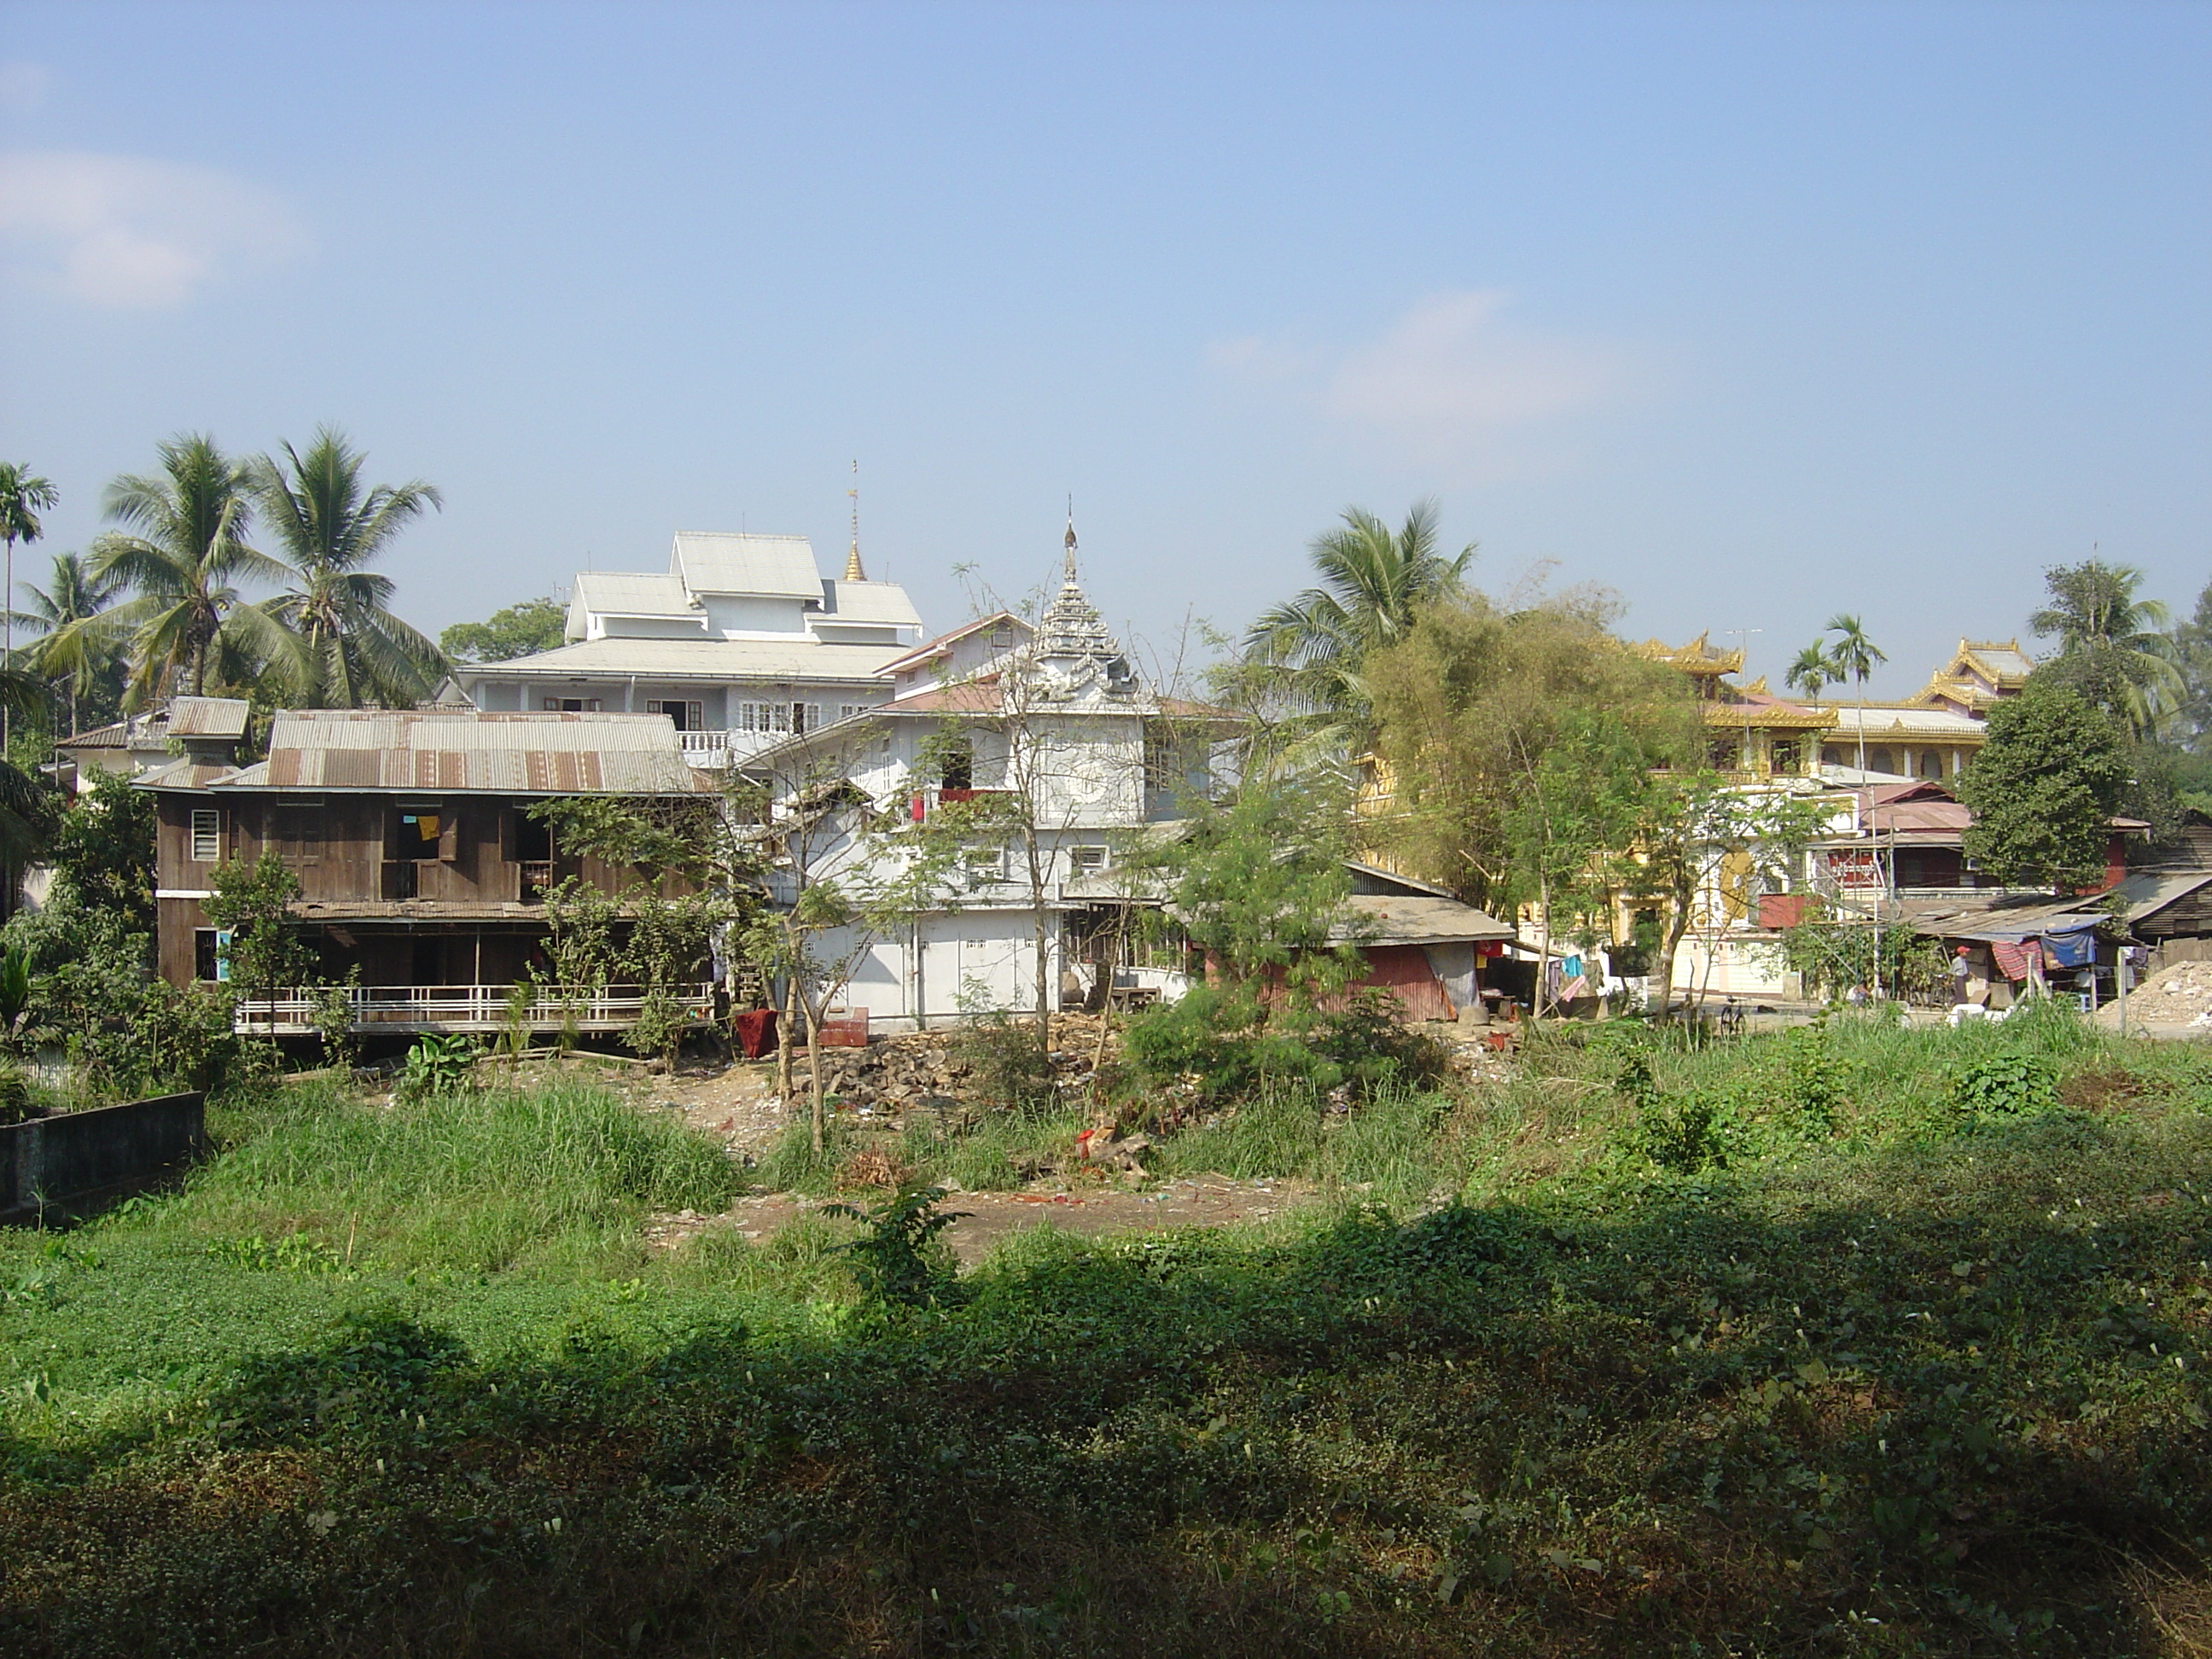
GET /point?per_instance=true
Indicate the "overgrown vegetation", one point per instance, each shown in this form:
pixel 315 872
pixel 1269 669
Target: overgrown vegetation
pixel 1852 1340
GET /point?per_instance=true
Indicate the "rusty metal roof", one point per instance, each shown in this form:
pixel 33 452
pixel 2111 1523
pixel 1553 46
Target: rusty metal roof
pixel 438 751
pixel 207 717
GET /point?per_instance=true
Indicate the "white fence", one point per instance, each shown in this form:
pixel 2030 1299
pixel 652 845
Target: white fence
pixel 463 1008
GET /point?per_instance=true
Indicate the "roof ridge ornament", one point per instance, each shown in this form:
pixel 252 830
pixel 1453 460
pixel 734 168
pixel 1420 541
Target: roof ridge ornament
pixel 853 571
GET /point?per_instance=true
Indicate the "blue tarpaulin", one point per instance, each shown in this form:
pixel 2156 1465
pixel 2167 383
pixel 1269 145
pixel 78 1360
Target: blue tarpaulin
pixel 2074 949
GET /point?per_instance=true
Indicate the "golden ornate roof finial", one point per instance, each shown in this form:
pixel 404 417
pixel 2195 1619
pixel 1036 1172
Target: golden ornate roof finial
pixel 853 571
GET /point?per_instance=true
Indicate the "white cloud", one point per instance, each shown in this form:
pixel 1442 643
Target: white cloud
pixel 1451 384
pixel 127 231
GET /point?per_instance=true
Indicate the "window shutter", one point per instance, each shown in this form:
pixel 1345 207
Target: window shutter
pixel 449 836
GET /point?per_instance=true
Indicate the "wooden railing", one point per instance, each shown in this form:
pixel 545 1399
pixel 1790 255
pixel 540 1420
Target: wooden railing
pixel 463 1008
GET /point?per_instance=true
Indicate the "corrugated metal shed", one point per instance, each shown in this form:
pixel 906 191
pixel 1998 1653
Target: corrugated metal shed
pixel 719 561
pixel 441 752
pixel 632 593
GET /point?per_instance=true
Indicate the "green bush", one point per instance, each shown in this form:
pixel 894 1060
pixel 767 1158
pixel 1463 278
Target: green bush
pixel 1223 1043
pixel 2006 1086
pixel 1008 1069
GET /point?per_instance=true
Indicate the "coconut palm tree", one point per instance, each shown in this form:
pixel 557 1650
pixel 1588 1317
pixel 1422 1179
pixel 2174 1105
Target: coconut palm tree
pixel 2110 643
pixel 1373 582
pixel 1854 656
pixel 23 495
pixel 79 646
pixel 327 528
pixel 181 551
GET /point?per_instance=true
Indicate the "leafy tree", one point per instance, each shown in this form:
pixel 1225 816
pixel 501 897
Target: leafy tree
pixel 352 651
pixel 182 548
pixel 1854 656
pixel 253 901
pixel 2051 772
pixel 2111 649
pixel 1374 582
pixel 1693 824
pixel 520 630
pixel 23 495
pixel 79 647
pixel 1468 706
pixel 1258 885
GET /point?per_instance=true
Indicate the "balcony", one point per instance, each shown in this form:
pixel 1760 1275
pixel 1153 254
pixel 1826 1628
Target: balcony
pixel 403 1009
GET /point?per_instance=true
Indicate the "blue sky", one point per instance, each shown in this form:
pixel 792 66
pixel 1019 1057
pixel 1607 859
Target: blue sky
pixel 1753 314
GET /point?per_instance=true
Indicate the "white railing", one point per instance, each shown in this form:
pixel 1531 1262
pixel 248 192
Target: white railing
pixel 462 1008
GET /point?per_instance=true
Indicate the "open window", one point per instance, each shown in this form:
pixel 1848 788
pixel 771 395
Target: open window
pixel 959 765
pixel 421 832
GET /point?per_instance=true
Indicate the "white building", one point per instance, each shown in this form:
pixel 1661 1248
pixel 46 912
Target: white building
pixel 1056 720
pixel 741 642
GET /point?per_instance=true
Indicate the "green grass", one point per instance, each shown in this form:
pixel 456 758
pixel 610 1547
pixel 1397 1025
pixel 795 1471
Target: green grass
pixel 1889 1373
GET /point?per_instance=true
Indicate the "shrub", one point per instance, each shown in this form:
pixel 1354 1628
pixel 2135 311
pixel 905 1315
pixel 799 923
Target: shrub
pixel 1221 1042
pixel 2009 1084
pixel 896 1264
pixel 1009 1070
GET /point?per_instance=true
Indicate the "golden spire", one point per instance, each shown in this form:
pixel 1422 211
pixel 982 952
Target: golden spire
pixel 853 571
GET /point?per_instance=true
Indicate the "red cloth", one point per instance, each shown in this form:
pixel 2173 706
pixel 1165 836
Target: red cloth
pixel 2017 961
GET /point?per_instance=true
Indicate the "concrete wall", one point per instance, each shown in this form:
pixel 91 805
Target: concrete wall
pixel 54 1161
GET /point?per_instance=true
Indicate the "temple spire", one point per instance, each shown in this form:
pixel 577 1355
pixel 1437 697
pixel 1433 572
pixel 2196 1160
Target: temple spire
pixel 1068 569
pixel 853 571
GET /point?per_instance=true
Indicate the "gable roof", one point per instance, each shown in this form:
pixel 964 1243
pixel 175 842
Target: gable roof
pixel 801 659
pixel 926 652
pixel 720 562
pixel 879 603
pixel 634 593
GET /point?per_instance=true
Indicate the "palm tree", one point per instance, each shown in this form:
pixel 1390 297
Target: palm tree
pixel 183 548
pixel 78 645
pixel 23 495
pixel 2112 643
pixel 1373 583
pixel 1853 656
pixel 1810 672
pixel 353 651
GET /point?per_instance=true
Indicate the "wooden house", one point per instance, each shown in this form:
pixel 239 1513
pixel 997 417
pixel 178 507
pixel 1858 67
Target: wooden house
pixel 419 862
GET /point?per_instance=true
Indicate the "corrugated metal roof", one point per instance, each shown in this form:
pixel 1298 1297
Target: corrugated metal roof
pixel 1908 722
pixel 2147 894
pixel 207 717
pixel 439 752
pixel 1393 919
pixel 635 593
pixel 719 561
pixel 872 602
pixel 724 661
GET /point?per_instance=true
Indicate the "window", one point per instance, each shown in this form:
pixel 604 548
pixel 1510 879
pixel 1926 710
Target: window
pixel 959 765
pixel 805 716
pixel 984 863
pixel 296 829
pixel 1881 760
pixel 571 705
pixel 1785 755
pixel 207 964
pixel 1001 638
pixel 418 833
pixel 685 716
pixel 846 710
pixel 1084 859
pixel 207 835
pixel 1931 762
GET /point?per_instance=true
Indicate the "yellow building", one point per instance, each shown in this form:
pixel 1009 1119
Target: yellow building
pixel 1934 733
pixel 1750 732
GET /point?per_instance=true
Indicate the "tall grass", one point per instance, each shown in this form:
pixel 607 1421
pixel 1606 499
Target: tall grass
pixel 554 1177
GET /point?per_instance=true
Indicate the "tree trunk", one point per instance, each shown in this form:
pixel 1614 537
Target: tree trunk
pixel 1678 926
pixel 814 1065
pixel 1043 941
pixel 787 1036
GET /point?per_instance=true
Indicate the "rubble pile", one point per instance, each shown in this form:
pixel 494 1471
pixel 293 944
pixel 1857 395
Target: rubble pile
pixel 2178 994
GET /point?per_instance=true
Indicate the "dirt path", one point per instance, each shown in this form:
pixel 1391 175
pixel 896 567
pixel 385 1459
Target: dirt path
pixel 987 1218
